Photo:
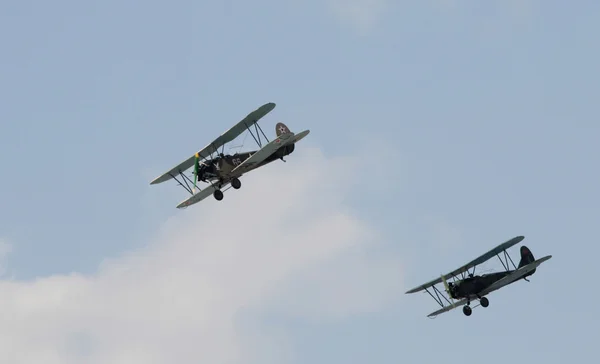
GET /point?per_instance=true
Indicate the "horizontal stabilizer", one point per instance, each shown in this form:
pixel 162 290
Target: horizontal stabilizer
pixel 517 274
pixel 299 136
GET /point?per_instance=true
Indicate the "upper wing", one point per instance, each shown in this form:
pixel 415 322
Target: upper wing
pixel 448 307
pixel 225 138
pixel 517 274
pixel 263 153
pixel 479 260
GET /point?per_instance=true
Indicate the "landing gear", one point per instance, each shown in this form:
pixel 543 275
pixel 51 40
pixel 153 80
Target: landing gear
pixel 218 194
pixel 467 310
pixel 484 302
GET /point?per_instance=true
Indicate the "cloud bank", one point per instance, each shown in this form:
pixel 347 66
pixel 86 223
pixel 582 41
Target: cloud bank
pixel 284 244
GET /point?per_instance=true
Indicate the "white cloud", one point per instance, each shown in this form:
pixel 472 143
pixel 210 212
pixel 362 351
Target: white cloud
pixel 362 14
pixel 283 244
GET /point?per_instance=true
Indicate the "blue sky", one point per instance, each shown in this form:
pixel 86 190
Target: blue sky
pixel 438 130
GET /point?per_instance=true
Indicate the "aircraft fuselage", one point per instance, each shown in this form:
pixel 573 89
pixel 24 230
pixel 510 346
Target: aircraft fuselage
pixel 220 168
pixel 470 287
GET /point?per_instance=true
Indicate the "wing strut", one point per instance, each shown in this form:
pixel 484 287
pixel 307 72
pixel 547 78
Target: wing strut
pixel 438 296
pixel 506 259
pixel 257 128
pixel 185 179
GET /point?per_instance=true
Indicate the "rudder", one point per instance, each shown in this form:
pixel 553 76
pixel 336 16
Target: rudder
pixel 281 128
pixel 526 258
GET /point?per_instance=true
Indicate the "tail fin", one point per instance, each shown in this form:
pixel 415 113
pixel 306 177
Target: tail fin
pixel 281 128
pixel 526 258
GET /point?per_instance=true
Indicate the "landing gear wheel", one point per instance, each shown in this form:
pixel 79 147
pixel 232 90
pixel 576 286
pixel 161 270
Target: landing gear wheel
pixel 467 310
pixel 218 195
pixel 236 183
pixel 484 301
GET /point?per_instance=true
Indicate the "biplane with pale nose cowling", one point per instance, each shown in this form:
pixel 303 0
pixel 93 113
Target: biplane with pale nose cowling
pixel 470 287
pixel 221 170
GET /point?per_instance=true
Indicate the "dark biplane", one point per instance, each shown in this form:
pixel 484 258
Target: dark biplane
pixel 219 170
pixel 470 287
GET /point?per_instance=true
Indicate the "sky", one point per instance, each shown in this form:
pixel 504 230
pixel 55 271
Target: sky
pixel 439 129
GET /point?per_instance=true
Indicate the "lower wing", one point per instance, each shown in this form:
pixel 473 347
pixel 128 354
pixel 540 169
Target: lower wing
pixel 197 197
pixel 448 307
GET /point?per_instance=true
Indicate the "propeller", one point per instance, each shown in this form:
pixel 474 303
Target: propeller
pixel 448 290
pixel 196 169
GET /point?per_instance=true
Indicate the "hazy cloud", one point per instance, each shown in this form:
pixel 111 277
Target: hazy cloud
pixel 5 249
pixel 284 244
pixel 362 14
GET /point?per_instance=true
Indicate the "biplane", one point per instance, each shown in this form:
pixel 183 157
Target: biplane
pixel 469 287
pixel 220 170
